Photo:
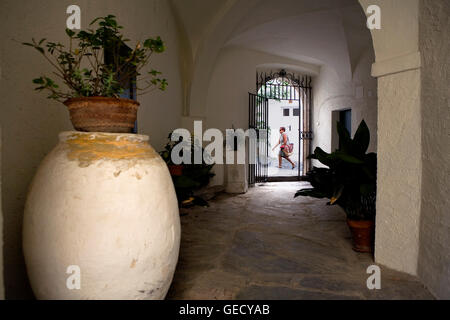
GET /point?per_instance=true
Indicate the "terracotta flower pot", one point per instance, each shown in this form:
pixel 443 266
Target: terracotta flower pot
pixel 363 234
pixel 101 114
pixel 176 170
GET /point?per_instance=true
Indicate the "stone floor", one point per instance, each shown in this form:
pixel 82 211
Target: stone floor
pixel 267 245
pixel 285 171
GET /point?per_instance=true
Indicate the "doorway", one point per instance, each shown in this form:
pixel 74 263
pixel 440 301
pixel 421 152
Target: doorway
pixel 344 117
pixel 282 100
pixel 284 114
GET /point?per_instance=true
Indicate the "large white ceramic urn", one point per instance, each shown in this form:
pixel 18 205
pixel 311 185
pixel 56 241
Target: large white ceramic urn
pixel 101 220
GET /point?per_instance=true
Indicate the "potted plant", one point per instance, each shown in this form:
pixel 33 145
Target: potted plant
pixel 188 178
pixel 349 181
pixel 97 67
pixel 176 170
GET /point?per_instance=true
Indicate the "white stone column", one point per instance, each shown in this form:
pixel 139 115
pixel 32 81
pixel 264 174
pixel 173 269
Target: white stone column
pixel 398 69
pixel 236 173
pixel 236 178
pixel 399 170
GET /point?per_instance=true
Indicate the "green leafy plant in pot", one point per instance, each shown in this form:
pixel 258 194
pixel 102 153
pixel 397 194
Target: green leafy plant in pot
pixel 97 67
pixel 188 178
pixel 349 181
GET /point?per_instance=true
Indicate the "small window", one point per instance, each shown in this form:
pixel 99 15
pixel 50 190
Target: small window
pixel 296 112
pixel 286 112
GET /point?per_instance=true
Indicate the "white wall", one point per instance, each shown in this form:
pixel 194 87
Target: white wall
pixel 332 93
pixel 434 253
pixel 399 171
pixel 31 122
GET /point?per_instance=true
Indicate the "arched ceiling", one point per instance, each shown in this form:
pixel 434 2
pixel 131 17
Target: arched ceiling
pixel 197 17
pixel 268 10
pixel 319 32
pixel 315 38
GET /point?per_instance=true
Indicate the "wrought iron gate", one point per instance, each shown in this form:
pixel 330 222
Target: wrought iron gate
pixel 259 121
pixel 281 86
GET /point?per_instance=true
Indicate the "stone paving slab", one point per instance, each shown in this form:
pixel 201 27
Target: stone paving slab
pixel 267 245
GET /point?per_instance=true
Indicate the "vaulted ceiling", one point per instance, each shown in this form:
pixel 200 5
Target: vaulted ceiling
pixel 330 32
pixel 196 17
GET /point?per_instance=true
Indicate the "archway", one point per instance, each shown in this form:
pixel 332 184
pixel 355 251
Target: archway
pixel 290 104
pixel 397 69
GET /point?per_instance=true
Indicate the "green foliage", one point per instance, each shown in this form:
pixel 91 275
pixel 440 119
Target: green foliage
pixel 350 179
pixel 195 176
pixel 275 91
pixel 84 69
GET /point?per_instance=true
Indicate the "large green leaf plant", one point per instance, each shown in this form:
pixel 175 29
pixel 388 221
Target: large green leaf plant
pixel 350 176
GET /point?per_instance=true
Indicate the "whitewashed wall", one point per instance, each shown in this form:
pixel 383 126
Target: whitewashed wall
pixel 434 251
pixel 332 93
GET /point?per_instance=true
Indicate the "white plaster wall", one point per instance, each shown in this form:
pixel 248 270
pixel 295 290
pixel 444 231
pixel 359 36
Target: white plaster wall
pixel 332 93
pixel 234 76
pixel 218 31
pixel 399 28
pixel 399 171
pixel 434 253
pixel 31 122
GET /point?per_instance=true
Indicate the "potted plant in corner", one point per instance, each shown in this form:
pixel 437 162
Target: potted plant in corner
pixel 176 170
pixel 188 178
pixel 349 181
pixel 96 68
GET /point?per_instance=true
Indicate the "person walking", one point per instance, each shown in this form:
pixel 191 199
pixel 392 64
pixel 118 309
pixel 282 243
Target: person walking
pixel 283 143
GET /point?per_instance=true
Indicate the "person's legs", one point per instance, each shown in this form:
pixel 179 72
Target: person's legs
pixel 280 159
pixel 291 162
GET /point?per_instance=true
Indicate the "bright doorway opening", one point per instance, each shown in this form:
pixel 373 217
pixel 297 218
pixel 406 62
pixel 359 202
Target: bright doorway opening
pixel 282 103
pixel 284 114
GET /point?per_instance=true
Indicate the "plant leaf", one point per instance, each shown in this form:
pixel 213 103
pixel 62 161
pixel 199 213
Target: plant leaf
pixel 337 194
pixel 348 158
pixel 361 140
pixel 344 137
pixel 70 33
pixel 325 158
pixel 310 193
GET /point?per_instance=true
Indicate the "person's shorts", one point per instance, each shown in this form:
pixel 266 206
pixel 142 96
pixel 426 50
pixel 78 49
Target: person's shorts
pixel 282 154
